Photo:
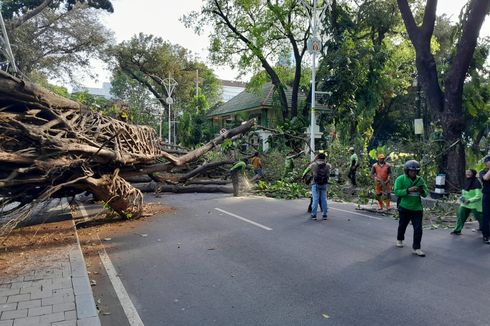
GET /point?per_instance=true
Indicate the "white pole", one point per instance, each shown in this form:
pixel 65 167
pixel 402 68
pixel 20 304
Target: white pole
pixel 313 77
pixel 169 125
pixel 313 117
pixel 160 124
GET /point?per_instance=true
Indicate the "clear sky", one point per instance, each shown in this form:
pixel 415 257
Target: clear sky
pixel 161 18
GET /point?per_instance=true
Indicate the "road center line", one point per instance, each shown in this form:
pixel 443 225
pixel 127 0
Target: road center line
pixel 244 219
pixel 346 211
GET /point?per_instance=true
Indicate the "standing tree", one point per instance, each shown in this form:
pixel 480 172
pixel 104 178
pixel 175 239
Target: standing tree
pixel 253 35
pixel 148 60
pixel 55 38
pixel 446 100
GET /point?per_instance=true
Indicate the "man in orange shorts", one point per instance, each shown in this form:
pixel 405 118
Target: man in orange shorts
pixel 381 172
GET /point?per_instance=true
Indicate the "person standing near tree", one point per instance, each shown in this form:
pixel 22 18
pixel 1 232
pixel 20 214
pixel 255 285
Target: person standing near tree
pixel 470 201
pixel 237 173
pixel 410 187
pixel 320 170
pixel 381 173
pixel 257 166
pixel 485 177
pixel 354 164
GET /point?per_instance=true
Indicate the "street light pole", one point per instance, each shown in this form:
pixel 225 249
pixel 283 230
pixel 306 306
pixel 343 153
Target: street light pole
pixel 314 46
pixel 313 102
pixel 169 84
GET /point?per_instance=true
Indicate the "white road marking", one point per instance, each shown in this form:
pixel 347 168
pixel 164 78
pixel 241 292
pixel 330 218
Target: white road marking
pixel 126 303
pixel 128 307
pixel 83 211
pixel 244 219
pixel 346 211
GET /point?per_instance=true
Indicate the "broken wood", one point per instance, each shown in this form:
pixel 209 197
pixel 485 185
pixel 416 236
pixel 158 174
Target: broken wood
pixel 51 146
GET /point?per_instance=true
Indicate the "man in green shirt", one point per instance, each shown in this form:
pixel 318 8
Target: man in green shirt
pixel 354 164
pixel 410 187
pixel 237 173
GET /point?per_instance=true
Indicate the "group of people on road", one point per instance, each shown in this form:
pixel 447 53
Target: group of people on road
pixel 409 188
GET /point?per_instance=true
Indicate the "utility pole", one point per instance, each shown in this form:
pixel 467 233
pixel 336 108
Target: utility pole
pixel 5 44
pixel 314 47
pixel 169 84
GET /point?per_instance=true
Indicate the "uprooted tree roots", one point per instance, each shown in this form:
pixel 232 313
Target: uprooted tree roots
pixel 53 147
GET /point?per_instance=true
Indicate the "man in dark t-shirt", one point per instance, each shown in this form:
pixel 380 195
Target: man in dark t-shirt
pixel 485 178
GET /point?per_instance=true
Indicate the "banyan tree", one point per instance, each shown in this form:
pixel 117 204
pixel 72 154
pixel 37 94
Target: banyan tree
pixel 52 147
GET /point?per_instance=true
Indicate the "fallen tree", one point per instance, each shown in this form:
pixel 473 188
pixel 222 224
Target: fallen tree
pixel 51 146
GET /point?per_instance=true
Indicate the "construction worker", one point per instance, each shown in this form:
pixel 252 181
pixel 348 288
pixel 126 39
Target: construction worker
pixel 257 166
pixel 381 173
pixel 409 187
pixel 354 164
pixel 237 173
pixel 320 171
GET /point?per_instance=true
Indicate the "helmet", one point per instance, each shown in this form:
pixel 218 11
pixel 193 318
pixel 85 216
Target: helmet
pixel 486 159
pixel 380 156
pixel 351 149
pixel 412 165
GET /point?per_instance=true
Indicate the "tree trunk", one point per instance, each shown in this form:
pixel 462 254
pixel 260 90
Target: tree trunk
pixel 117 193
pixel 156 187
pixel 51 146
pixel 446 106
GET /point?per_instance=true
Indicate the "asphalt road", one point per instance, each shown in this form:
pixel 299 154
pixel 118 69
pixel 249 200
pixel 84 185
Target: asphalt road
pixel 202 266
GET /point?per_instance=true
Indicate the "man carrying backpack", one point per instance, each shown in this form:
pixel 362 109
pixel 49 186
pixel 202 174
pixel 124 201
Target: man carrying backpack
pixel 321 171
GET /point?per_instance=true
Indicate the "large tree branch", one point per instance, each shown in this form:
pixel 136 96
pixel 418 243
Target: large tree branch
pixel 429 19
pixel 409 21
pixel 178 161
pixel 30 14
pixel 466 45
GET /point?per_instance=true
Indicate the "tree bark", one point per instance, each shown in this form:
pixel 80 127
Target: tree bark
pixel 51 146
pixel 153 186
pixel 446 106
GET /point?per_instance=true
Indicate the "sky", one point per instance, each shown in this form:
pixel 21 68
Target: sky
pixel 161 18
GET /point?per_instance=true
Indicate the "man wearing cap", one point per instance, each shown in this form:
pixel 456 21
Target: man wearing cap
pixel 485 177
pixel 354 164
pixel 381 173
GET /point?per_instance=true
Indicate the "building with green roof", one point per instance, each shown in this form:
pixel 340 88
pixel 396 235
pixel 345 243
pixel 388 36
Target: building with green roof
pixel 262 105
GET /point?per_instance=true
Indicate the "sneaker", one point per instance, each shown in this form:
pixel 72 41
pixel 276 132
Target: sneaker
pixel 314 218
pixel 456 232
pixel 399 243
pixel 324 217
pixel 486 240
pixel 418 252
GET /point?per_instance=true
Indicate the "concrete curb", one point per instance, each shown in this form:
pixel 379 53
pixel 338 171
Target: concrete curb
pixel 84 299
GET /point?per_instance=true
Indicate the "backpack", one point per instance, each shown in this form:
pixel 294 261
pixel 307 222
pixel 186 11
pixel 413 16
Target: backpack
pixel 322 174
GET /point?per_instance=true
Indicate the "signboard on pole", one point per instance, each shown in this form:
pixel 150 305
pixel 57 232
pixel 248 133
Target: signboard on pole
pixel 314 45
pixel 418 126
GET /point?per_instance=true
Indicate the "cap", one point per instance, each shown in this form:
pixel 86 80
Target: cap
pixel 486 159
pixel 351 148
pixel 380 156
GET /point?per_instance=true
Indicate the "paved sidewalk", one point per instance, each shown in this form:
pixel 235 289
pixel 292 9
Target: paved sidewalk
pixel 55 292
